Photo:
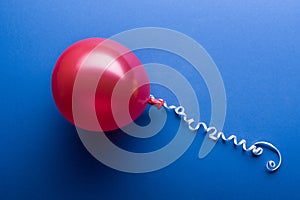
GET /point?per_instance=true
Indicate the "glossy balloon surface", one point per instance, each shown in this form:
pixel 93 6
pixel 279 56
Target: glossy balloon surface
pixel 96 66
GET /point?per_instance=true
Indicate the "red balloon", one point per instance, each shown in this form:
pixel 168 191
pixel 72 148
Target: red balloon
pixel 99 79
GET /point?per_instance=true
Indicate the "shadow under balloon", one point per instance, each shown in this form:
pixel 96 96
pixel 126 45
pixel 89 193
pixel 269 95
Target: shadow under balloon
pixel 148 144
pixel 68 167
pixel 69 151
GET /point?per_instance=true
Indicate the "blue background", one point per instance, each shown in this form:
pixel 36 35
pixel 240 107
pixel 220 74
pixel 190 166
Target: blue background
pixel 256 46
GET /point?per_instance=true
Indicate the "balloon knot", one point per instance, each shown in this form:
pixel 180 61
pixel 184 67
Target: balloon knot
pixel 156 102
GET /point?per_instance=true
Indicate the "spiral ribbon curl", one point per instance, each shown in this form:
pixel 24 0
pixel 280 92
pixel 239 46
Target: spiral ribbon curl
pixel 256 148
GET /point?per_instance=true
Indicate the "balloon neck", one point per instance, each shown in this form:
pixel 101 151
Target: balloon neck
pixel 156 102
